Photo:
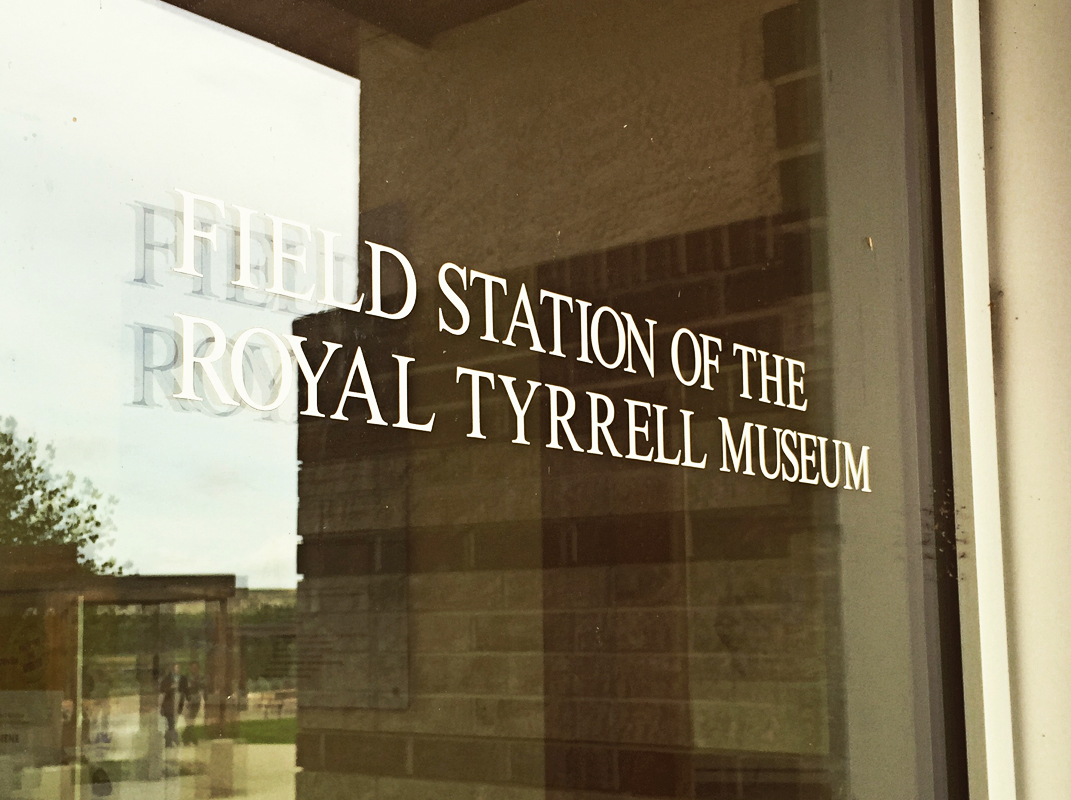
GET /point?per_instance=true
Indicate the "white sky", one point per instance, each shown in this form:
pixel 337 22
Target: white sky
pixel 103 105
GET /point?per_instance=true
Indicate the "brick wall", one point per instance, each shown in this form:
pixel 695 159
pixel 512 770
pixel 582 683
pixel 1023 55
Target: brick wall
pixel 575 627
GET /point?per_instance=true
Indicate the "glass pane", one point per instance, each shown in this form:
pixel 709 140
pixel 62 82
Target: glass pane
pixel 587 455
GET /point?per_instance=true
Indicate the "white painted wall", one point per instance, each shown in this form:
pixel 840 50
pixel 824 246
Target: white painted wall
pixel 1026 71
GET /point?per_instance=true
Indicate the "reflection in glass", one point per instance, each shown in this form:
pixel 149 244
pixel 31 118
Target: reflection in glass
pixel 610 485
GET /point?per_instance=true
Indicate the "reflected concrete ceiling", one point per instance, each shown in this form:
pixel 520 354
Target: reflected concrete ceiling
pixel 421 21
pixel 326 31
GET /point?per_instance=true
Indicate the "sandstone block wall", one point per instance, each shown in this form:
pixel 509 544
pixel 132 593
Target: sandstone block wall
pixel 577 627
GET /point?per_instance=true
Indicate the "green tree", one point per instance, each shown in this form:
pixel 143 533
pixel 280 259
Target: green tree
pixel 39 506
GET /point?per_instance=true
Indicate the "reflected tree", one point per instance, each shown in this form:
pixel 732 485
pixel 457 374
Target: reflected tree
pixel 40 506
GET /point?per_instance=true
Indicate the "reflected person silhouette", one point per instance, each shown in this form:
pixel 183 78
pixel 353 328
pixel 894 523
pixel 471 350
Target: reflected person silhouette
pixel 171 703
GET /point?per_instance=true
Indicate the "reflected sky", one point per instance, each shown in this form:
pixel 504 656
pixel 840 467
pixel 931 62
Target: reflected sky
pixel 120 104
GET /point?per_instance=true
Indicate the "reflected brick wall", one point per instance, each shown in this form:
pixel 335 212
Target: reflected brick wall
pixel 576 627
pixel 568 624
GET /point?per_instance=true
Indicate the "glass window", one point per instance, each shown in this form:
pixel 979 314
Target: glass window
pixel 482 400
